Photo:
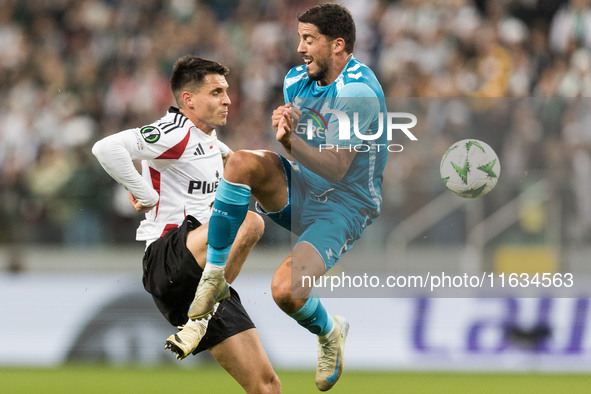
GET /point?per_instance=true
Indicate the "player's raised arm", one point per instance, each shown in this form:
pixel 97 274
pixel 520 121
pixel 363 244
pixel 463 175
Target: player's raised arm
pixel 331 163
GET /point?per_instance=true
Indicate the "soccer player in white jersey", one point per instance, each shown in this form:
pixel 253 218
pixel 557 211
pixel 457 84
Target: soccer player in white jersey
pixel 182 163
pixel 327 197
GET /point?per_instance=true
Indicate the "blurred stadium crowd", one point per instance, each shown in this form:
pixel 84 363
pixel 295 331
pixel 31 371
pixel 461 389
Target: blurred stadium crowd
pixel 72 71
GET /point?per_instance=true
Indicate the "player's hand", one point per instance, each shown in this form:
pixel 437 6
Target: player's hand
pixel 138 205
pixel 283 132
pixel 296 115
pixel 278 114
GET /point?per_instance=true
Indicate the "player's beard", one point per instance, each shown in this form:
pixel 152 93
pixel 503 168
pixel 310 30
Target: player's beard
pixel 321 72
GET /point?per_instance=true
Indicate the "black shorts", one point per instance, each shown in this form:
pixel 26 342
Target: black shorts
pixel 171 275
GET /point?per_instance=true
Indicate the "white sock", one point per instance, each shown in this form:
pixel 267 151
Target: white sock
pixel 212 267
pixel 203 322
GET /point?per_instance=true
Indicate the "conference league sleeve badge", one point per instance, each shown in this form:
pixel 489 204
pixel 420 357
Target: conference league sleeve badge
pixel 150 134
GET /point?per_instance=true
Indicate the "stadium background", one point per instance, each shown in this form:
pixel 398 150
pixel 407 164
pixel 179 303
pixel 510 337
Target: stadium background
pixel 74 71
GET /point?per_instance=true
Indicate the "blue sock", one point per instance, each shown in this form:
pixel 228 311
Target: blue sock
pixel 229 210
pixel 313 317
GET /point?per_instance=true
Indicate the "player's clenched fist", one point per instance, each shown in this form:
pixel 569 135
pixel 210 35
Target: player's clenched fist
pixel 278 113
pixel 283 131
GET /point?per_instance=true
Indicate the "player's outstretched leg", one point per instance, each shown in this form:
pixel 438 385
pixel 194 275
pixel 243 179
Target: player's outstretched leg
pixel 308 311
pixel 229 210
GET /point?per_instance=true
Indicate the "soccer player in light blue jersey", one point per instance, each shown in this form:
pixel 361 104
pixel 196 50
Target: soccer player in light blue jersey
pixel 327 195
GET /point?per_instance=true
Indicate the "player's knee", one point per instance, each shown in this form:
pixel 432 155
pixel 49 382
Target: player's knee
pixel 270 384
pixel 286 296
pixel 240 165
pixel 254 226
pixel 273 385
pixel 263 381
pixel 281 292
pixel 250 166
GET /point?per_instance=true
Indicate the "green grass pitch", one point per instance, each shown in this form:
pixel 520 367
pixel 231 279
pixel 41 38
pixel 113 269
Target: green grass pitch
pixel 212 379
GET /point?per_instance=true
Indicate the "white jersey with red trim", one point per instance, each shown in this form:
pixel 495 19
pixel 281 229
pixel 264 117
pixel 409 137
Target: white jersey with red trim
pixel 180 163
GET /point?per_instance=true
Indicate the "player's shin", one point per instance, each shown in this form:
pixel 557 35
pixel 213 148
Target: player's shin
pixel 229 210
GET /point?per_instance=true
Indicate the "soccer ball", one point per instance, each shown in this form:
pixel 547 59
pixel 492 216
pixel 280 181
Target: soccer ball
pixel 470 168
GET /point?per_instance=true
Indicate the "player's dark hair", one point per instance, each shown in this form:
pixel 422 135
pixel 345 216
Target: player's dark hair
pixel 189 72
pixel 332 20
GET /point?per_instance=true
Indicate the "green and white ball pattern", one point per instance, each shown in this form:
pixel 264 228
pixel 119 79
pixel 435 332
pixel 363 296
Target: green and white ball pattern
pixel 470 168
